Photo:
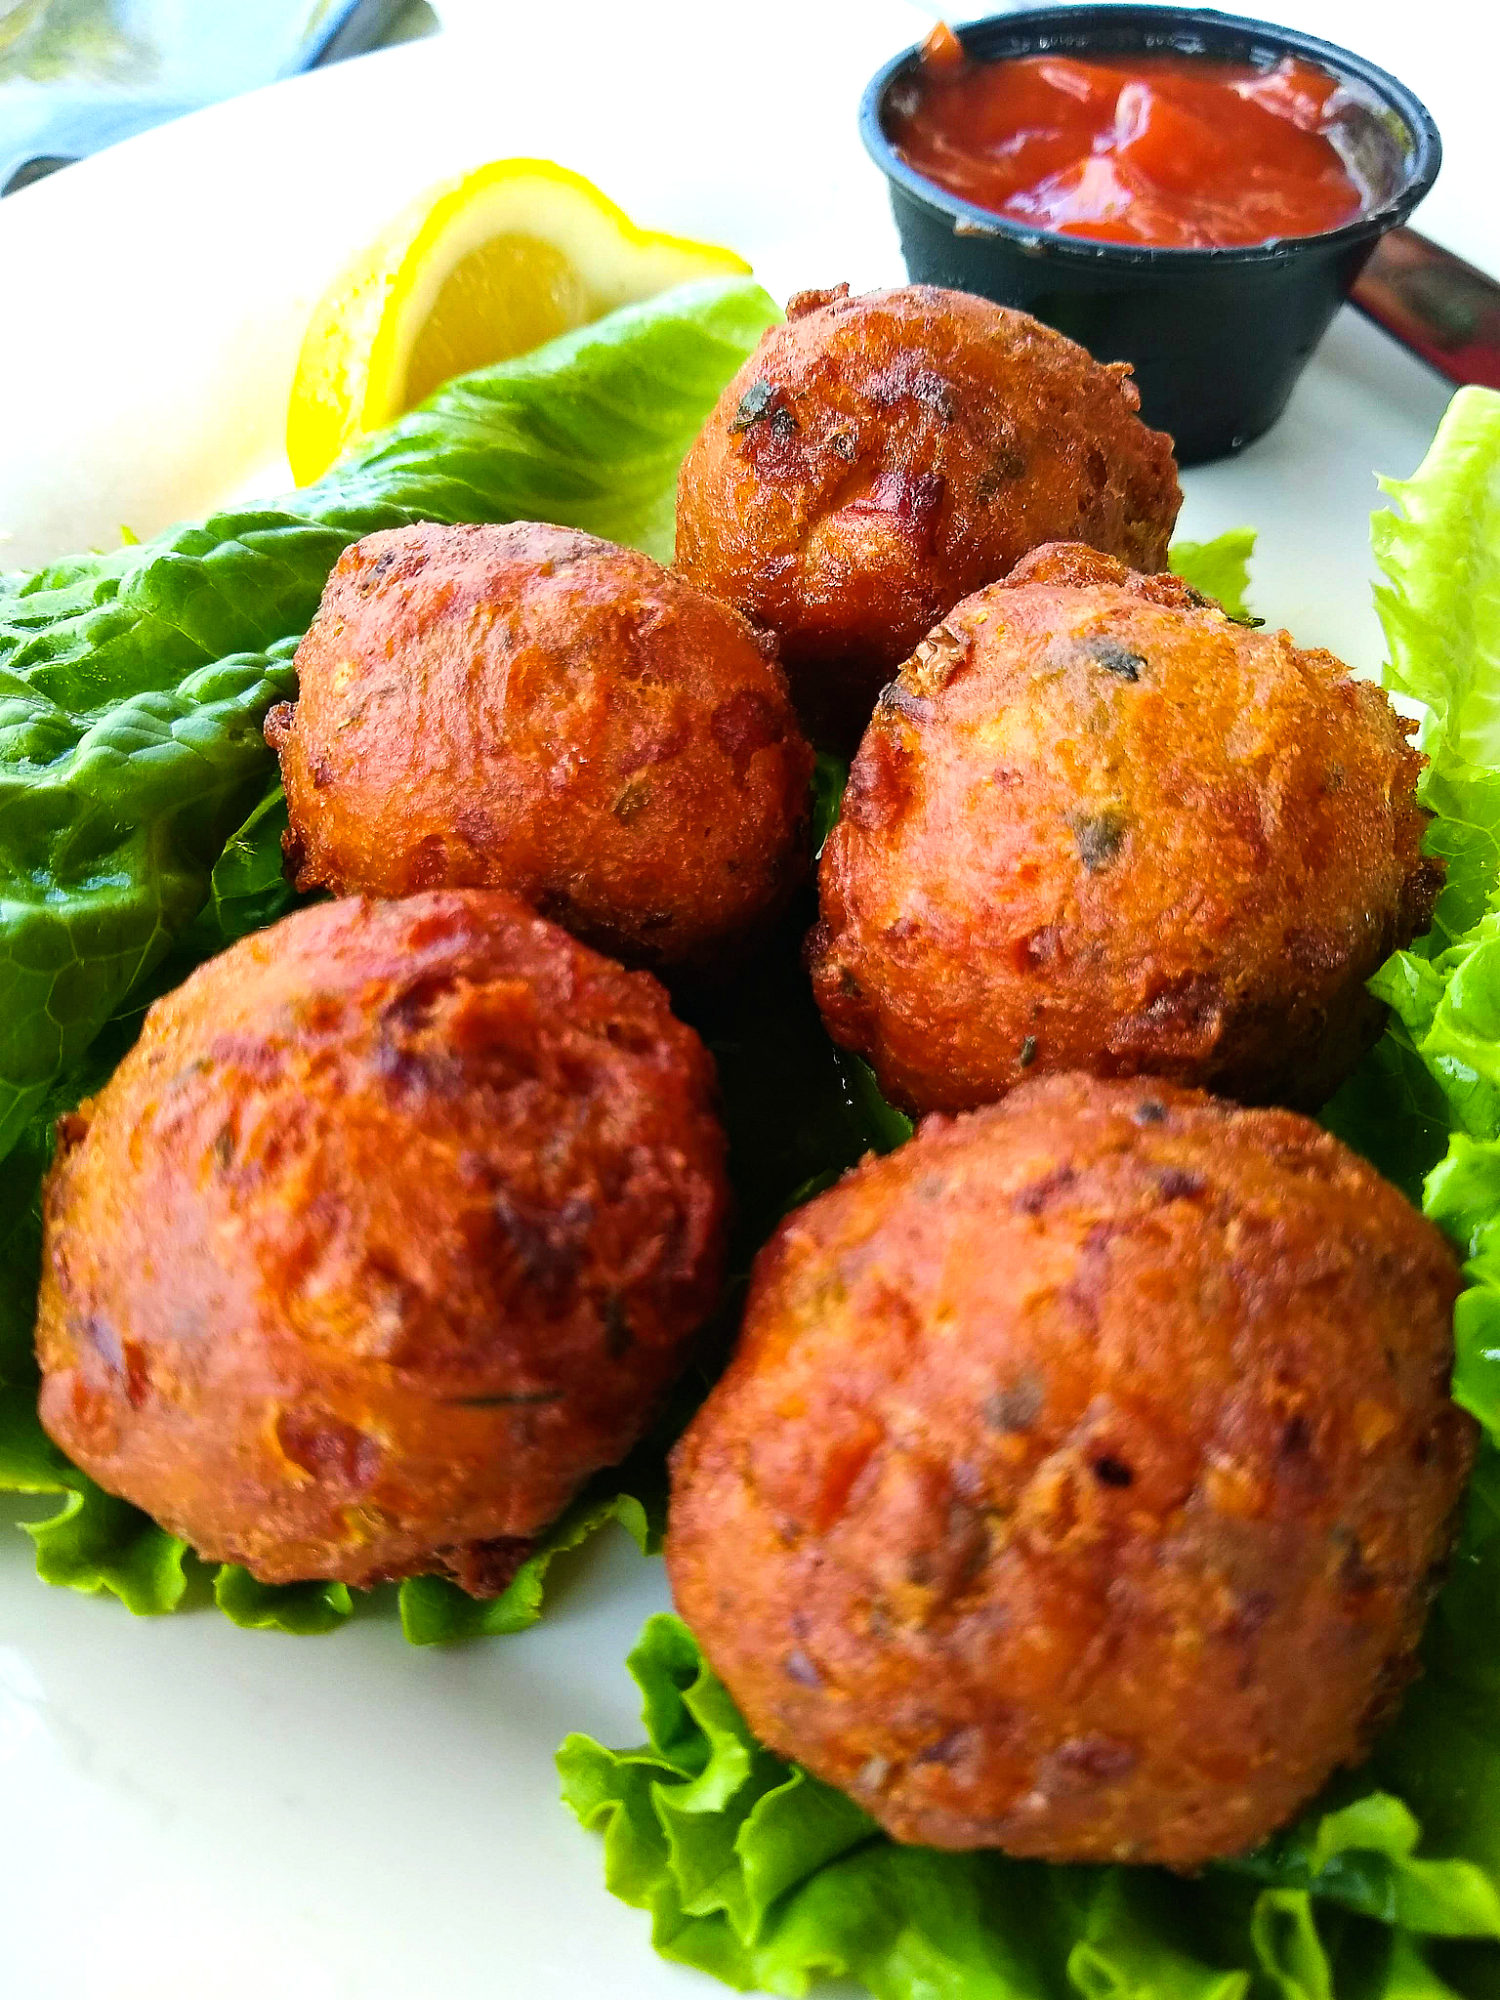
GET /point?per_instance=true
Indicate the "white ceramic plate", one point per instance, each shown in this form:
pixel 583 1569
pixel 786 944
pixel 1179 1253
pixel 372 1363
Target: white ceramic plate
pixel 191 1812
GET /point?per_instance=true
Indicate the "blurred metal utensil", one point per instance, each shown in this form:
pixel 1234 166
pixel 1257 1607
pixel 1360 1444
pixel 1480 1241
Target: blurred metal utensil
pixel 78 75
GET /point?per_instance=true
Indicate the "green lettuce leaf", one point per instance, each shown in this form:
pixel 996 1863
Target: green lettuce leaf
pixel 1440 607
pixel 830 776
pixel 587 431
pixel 133 686
pixel 436 1612
pixel 1220 569
pixel 772 1881
pixel 111 818
pixel 1438 547
pixel 248 888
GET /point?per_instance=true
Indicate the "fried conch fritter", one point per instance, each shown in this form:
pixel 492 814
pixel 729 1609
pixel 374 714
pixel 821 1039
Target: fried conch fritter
pixel 1083 1476
pixel 878 458
pixel 1095 824
pixel 393 1227
pixel 530 708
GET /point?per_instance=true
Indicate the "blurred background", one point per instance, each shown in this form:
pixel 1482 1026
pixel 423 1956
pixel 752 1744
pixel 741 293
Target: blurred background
pixel 76 75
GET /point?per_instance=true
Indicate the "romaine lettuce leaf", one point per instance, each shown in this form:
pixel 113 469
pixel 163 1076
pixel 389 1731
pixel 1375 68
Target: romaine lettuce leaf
pixel 133 686
pixel 587 431
pixel 110 820
pixel 248 888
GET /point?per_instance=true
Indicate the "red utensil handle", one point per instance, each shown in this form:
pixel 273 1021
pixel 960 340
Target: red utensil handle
pixel 1443 309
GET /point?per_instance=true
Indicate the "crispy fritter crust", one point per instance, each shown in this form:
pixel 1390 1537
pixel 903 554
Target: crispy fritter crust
pixel 529 708
pixel 1083 1476
pixel 878 458
pixel 391 1229
pixel 1094 824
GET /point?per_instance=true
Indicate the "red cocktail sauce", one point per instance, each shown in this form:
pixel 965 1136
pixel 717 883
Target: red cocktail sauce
pixel 1175 150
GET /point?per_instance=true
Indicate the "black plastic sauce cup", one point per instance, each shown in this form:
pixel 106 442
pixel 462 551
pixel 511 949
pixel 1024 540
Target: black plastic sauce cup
pixel 1217 337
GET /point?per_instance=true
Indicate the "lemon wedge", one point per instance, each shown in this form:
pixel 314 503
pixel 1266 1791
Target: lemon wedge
pixel 475 270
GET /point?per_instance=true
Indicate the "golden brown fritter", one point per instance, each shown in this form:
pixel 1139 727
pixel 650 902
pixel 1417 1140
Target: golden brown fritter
pixel 391 1229
pixel 1095 824
pixel 878 458
pixel 1083 1475
pixel 529 708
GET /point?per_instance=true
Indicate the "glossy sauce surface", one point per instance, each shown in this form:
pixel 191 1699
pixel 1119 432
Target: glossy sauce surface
pixel 1181 151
